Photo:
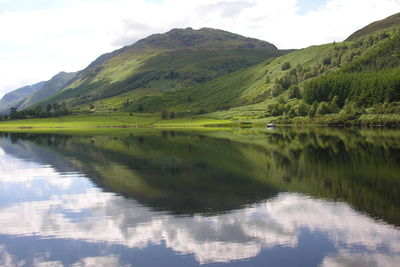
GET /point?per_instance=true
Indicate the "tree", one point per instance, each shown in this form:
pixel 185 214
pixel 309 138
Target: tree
pixel 327 61
pixel 140 108
pixel 383 36
pixel 276 90
pixel 49 108
pixel 333 106
pixel 313 110
pixel 164 114
pixel 294 92
pixel 126 103
pixel 323 108
pixel 302 109
pixel 291 113
pixel 38 110
pixel 56 106
pixel 286 66
pixel 276 109
pixel 13 112
pixel 64 106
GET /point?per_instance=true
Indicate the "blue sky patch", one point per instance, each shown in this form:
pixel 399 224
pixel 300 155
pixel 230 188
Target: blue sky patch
pixel 309 5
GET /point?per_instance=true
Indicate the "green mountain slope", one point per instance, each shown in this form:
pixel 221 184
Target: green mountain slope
pixel 246 86
pixel 50 88
pixel 166 62
pixel 16 97
pixel 332 83
pixel 376 26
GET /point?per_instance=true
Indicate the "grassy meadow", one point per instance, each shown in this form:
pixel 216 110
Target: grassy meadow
pixel 102 120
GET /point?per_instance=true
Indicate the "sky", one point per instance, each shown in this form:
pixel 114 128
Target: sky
pixel 39 38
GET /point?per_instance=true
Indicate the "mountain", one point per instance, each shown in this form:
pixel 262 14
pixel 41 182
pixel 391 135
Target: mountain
pixel 222 75
pixel 48 89
pixel 16 97
pixel 376 26
pixel 354 81
pixel 165 62
pixel 28 96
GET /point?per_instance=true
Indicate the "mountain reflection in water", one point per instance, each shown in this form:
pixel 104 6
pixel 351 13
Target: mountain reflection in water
pixel 246 197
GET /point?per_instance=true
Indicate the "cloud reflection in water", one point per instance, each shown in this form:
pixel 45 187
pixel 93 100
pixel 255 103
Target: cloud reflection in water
pixel 91 215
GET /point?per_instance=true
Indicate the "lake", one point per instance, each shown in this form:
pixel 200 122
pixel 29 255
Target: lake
pixel 234 197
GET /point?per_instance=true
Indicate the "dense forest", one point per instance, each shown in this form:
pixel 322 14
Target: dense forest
pixel 360 77
pixel 371 79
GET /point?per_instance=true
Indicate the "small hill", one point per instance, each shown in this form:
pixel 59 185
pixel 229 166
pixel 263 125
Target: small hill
pixel 388 22
pixel 16 97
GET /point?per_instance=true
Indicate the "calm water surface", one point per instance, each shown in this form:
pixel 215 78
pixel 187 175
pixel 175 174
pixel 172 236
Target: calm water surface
pixel 287 197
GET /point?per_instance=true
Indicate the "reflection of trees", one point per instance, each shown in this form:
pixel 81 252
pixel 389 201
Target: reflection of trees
pixel 165 171
pixel 342 165
pixel 181 174
pixel 218 171
pixel 39 139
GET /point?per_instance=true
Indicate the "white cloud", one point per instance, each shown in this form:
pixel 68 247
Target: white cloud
pixel 26 173
pixel 34 45
pixel 345 258
pixel 7 259
pixel 227 237
pixel 111 260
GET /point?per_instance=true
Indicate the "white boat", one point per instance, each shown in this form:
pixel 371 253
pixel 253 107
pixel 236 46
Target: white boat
pixel 271 125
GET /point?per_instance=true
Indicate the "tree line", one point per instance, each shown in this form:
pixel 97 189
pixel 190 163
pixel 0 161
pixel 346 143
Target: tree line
pixel 51 111
pixel 365 88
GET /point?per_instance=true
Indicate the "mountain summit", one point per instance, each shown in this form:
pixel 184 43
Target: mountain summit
pixel 204 38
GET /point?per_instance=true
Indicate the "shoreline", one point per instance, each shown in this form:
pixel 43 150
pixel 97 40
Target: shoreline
pixel 221 126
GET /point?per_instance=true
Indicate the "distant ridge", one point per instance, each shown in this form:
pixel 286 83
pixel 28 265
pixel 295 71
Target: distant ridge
pixel 48 89
pixel 376 26
pixel 16 97
pixel 30 95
